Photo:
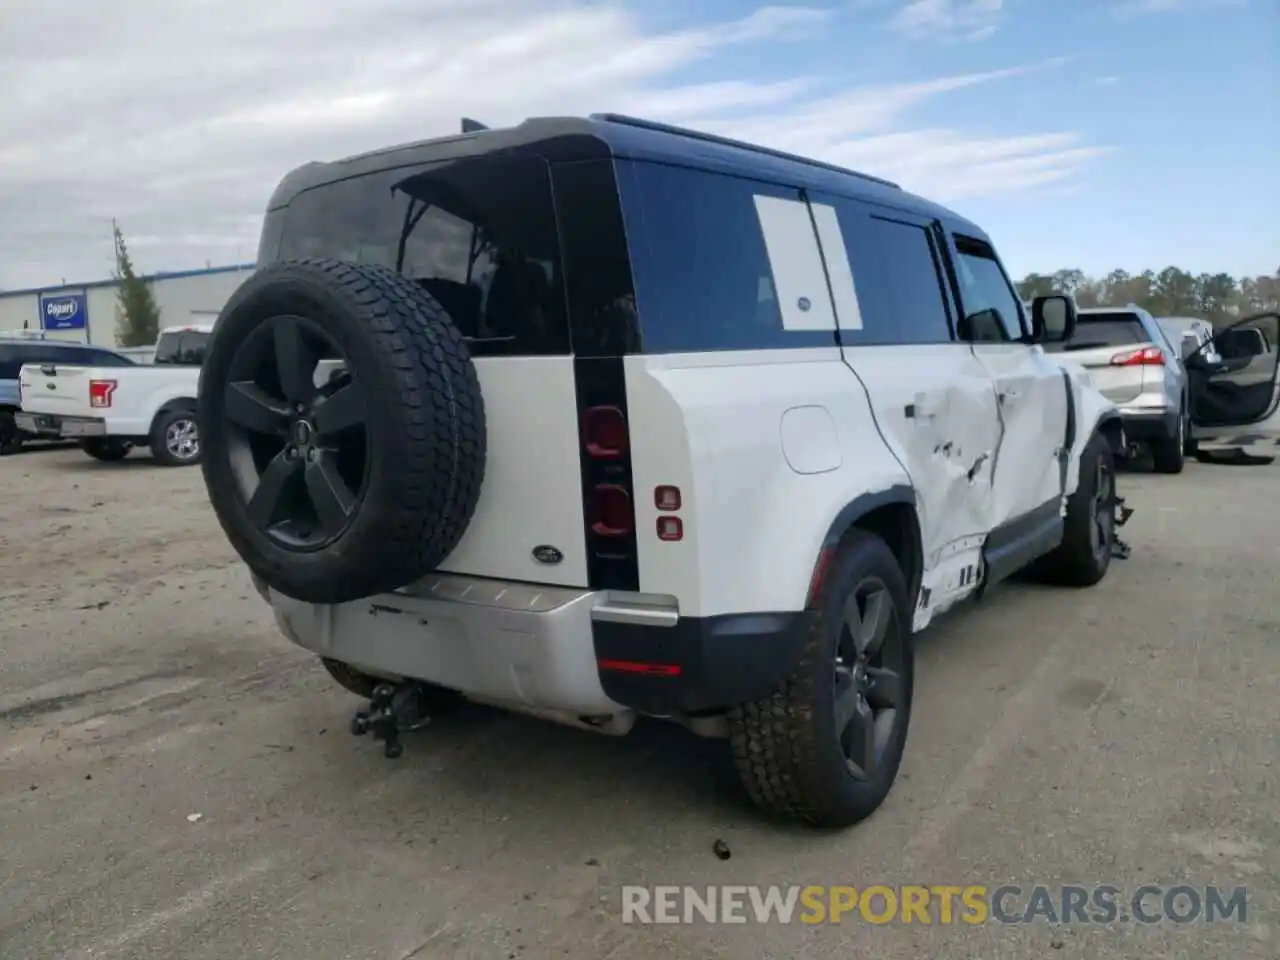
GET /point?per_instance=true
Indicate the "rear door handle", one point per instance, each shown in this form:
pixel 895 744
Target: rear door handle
pixel 1006 395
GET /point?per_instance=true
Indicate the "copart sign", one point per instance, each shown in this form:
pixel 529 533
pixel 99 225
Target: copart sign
pixel 64 311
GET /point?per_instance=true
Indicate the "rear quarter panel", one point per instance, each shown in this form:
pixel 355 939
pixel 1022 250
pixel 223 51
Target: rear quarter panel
pixel 712 424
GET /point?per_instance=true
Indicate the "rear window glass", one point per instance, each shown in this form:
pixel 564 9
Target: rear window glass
pixel 185 349
pixel 1107 330
pixel 479 234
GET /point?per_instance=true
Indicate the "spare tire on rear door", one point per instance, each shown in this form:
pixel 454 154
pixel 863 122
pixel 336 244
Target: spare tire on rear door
pixel 332 488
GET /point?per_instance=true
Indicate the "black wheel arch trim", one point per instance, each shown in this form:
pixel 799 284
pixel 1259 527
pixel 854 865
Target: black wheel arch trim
pixel 861 506
pixel 184 404
pixel 1070 440
pixel 1110 422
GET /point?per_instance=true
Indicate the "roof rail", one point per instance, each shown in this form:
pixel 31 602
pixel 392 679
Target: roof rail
pixel 730 142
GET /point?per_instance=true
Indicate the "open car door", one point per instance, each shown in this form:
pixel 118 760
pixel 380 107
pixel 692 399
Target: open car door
pixel 1235 389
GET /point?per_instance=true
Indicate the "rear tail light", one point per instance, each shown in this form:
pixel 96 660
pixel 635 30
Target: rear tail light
pixel 100 392
pixel 604 432
pixel 1146 357
pixel 608 495
pixel 610 511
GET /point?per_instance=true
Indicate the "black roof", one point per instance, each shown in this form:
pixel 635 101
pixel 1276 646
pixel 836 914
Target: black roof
pixel 614 135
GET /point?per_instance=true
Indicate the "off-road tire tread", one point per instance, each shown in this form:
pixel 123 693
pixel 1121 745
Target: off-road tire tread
pixel 775 741
pixel 1072 563
pixel 438 449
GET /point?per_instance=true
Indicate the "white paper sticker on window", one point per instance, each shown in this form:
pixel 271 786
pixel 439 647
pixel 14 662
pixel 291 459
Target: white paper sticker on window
pixel 799 281
pixel 843 290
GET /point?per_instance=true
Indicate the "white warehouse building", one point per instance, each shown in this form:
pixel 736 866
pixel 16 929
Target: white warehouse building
pixel 86 312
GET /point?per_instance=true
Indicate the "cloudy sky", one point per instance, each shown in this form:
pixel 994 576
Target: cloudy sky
pixel 1095 133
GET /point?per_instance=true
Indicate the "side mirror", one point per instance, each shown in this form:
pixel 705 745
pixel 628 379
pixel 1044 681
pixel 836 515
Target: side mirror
pixel 1053 318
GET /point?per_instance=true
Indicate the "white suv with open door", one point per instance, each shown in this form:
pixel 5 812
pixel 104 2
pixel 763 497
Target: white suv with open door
pixel 594 418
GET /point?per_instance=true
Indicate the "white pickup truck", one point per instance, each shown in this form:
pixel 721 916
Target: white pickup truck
pixel 110 410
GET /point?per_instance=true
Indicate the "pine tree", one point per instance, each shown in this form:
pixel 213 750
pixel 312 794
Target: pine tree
pixel 137 316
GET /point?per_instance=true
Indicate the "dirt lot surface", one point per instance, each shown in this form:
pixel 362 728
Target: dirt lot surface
pixel 1127 734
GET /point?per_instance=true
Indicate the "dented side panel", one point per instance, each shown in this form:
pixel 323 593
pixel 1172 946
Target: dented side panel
pixel 1032 405
pixel 935 405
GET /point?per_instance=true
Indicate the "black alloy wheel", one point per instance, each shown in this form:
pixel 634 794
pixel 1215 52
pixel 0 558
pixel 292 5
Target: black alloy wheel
pixel 1102 510
pixel 868 677
pixel 300 452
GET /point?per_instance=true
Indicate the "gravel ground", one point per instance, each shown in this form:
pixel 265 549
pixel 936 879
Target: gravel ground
pixel 176 780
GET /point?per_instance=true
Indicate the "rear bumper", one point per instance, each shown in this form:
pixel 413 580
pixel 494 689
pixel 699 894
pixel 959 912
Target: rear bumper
pixel 55 426
pixel 698 664
pixel 1144 424
pixel 551 648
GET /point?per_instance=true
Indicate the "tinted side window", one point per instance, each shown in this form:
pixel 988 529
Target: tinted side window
pixel 702 273
pixel 478 233
pixel 9 362
pixel 896 271
pixel 168 348
pixel 185 349
pixel 985 291
pixel 597 264
pixel 1240 342
pixel 81 356
pixel 192 348
pixel 105 358
pixel 46 353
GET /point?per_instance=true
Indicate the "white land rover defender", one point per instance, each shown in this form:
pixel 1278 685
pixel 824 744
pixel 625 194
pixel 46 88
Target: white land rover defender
pixel 594 418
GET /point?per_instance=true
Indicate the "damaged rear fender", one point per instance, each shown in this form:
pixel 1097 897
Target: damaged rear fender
pixel 890 514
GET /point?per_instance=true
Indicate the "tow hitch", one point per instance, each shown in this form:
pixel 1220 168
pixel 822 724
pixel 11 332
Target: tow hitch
pixel 1119 549
pixel 393 709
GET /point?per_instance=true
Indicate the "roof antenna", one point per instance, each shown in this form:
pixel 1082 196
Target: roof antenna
pixel 472 126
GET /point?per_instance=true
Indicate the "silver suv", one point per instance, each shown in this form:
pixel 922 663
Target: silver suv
pixel 1136 366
